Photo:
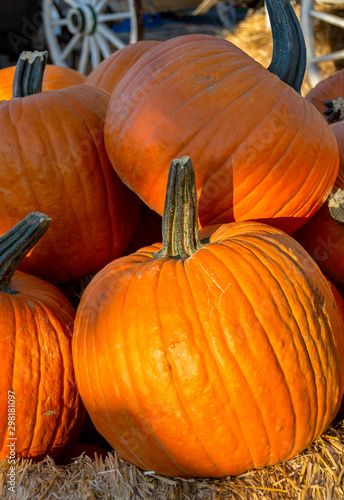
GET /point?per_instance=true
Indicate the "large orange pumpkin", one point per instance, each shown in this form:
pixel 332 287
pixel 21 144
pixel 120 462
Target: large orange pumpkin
pixel 213 357
pixel 110 71
pixel 40 407
pixel 55 77
pixel 261 151
pixel 53 160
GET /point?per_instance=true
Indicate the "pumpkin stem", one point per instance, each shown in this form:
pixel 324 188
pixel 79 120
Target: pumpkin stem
pixel 17 242
pixel 336 205
pixel 179 221
pixel 28 76
pixel 289 50
pixel 335 110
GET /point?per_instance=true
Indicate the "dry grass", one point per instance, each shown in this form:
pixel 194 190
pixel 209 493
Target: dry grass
pixel 317 473
pixel 254 37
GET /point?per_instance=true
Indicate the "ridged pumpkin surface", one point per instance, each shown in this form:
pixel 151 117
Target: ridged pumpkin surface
pixel 260 150
pixel 55 77
pixel 36 365
pixel 327 89
pixel 53 160
pixel 322 236
pixel 110 71
pixel 229 360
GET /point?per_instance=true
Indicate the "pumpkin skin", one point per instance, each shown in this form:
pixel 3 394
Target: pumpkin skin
pixel 110 71
pixel 54 161
pixel 55 77
pixel 214 364
pixel 36 328
pixel 260 150
pixel 37 368
pixel 322 236
pixel 327 89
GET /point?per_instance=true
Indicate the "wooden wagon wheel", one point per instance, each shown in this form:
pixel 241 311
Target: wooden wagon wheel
pixel 78 32
pixel 310 11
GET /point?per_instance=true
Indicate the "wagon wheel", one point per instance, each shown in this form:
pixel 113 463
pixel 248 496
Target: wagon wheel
pixel 310 10
pixel 78 32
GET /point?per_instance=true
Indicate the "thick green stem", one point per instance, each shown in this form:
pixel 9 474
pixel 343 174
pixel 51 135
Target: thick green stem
pixel 16 243
pixel 289 51
pixel 180 221
pixel 28 76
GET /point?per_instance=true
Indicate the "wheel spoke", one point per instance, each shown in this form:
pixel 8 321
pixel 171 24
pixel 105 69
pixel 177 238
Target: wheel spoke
pixel 85 51
pixel 110 36
pixel 334 56
pixel 327 18
pixel 115 16
pixel 72 3
pixel 133 23
pixel 95 55
pixel 58 22
pixel 100 5
pixel 70 46
pixel 103 45
pixel 94 41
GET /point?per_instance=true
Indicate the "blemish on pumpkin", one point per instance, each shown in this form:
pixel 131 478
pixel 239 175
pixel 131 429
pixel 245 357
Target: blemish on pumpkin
pixel 49 412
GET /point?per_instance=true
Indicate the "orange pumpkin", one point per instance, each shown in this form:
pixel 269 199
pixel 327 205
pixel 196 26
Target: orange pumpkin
pixel 212 357
pixel 40 407
pixel 260 150
pixel 55 77
pixel 110 71
pixel 323 236
pixel 53 160
pixel 327 91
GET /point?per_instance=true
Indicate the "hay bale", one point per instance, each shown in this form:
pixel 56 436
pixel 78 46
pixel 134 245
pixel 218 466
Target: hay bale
pixel 317 473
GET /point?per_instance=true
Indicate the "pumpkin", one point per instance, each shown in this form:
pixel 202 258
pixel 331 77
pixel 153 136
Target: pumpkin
pixel 53 160
pixel 55 77
pixel 323 235
pixel 110 71
pixel 209 357
pixel 260 150
pixel 40 407
pixel 327 96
